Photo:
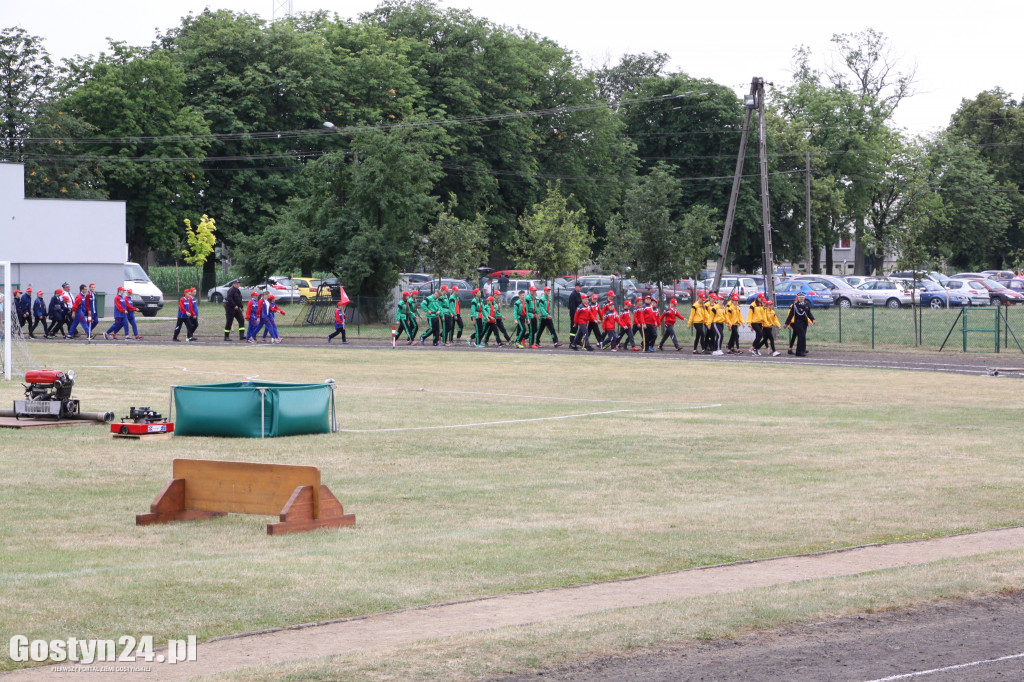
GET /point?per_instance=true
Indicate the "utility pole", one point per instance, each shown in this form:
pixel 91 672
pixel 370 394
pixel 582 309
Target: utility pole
pixel 750 103
pixel 762 149
pixel 807 220
pixel 755 100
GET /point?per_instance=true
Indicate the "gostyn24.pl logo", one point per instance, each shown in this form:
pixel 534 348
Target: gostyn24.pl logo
pixel 126 649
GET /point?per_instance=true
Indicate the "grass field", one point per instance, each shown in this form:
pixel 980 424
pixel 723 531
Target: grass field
pixel 653 466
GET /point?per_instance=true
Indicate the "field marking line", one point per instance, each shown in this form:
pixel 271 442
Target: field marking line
pixel 496 395
pixel 518 421
pixel 183 369
pixel 906 676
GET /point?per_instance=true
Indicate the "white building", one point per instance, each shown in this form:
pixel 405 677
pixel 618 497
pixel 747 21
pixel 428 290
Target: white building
pixel 52 241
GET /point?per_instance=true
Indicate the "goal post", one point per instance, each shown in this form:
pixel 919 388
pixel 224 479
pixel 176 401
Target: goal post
pixel 8 305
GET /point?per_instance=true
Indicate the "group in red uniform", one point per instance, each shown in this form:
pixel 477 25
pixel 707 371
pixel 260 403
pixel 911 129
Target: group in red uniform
pixel 613 328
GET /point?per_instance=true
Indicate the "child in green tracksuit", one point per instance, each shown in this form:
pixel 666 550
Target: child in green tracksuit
pixel 476 314
pixel 400 326
pixel 521 311
pixel 432 306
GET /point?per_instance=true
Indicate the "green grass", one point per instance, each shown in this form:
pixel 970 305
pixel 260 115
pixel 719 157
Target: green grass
pixel 797 458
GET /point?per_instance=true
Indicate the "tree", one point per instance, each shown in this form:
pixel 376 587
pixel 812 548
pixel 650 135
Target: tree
pixel 153 157
pixel 864 63
pixel 201 243
pixel 26 75
pixel 454 247
pixel 553 238
pixel 615 83
pixel 647 233
pixel 358 219
pixel 700 229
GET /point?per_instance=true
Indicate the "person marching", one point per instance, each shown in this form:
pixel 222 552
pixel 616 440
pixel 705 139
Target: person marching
pixel 520 310
pixel 609 320
pixel 400 327
pixel 57 315
pixel 650 318
pixel 800 316
pixel 339 323
pixel 94 314
pixel 119 317
pixel 771 321
pixel 490 323
pixel 269 320
pixel 625 327
pixel 446 315
pixel 38 315
pixel 129 315
pixel 582 322
pixel 668 320
pixel 456 306
pixel 412 312
pixel 575 301
pixel 697 316
pixel 252 314
pixel 233 311
pixel 433 309
pixel 545 303
pixel 497 323
pixel 185 315
pixel 80 310
pixel 755 320
pixel 23 307
pixel 715 322
pixel 733 320
pixel 476 314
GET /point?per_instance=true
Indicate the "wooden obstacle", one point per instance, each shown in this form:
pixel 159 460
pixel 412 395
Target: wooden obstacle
pixel 203 489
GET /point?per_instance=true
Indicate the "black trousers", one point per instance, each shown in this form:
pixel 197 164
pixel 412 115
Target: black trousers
pixel 57 322
pixel 35 322
pixel 699 340
pixel 800 334
pixel 233 315
pixel 768 338
pixel 734 337
pixel 758 335
pixel 190 324
pixel 458 323
pixel 669 333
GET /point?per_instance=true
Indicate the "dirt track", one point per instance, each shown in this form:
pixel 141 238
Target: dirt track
pixel 382 631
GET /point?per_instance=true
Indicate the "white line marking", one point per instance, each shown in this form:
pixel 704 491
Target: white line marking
pixel 518 421
pixel 496 395
pixel 905 676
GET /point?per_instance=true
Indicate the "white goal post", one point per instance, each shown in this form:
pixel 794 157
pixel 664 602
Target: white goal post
pixel 8 303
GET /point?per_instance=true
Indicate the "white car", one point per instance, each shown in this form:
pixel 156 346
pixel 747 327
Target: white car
pixel 975 291
pixel 744 286
pixel 891 293
pixel 146 296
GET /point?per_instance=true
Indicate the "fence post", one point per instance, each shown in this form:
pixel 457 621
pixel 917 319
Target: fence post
pixel 997 327
pixel 840 325
pixel 872 327
pixel 359 316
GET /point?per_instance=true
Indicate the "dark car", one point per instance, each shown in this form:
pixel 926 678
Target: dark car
pixel 817 294
pixel 425 289
pixel 934 295
pixel 1015 284
pixel 1000 295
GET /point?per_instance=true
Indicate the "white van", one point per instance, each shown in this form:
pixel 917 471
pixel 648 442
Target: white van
pixel 146 296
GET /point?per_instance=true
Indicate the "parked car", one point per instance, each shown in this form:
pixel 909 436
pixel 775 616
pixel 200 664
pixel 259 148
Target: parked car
pixel 626 288
pixel 934 295
pixel 424 289
pixel 1000 295
pixel 892 293
pixel 975 291
pixel 921 275
pixel 1015 284
pixel 843 294
pixel 998 274
pixel 817 294
pixel 407 279
pixel 970 275
pixel 217 294
pixel 147 296
pixel 744 285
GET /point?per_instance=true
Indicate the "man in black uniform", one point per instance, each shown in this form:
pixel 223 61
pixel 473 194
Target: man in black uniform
pixel 575 301
pixel 233 311
pixel 799 317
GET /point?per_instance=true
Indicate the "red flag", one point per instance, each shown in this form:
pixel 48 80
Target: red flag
pixel 344 299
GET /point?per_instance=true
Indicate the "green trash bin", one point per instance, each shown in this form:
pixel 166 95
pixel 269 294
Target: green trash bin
pixel 101 299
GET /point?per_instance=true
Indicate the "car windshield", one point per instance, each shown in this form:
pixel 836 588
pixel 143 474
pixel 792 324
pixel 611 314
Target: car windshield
pixel 928 285
pixel 992 284
pixel 817 286
pixel 133 272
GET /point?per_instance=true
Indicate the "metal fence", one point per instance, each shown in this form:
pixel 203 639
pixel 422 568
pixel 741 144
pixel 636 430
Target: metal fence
pixel 976 329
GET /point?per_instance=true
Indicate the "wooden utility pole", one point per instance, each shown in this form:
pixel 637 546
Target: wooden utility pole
pixel 750 103
pixel 755 100
pixel 807 220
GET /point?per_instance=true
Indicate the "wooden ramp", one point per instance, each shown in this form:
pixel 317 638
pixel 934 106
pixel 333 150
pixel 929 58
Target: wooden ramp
pixel 203 489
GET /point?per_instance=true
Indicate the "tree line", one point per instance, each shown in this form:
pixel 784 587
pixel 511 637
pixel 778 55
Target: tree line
pixel 421 135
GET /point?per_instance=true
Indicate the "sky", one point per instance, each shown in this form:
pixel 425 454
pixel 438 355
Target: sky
pixel 956 54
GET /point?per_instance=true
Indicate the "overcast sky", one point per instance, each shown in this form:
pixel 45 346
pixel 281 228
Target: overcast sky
pixel 957 54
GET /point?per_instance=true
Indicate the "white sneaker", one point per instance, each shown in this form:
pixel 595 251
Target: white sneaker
pixel 776 354
pixel 718 352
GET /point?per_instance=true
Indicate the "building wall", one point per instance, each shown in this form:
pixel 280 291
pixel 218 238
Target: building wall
pixel 51 241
